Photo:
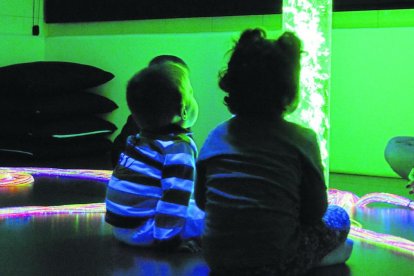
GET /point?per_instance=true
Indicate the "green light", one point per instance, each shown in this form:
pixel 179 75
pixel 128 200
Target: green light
pixel 311 20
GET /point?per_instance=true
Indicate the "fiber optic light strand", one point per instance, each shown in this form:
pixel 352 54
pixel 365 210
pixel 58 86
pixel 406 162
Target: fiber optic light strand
pixel 385 198
pixel 14 179
pixel 25 211
pixel 383 240
pixel 347 200
pixel 93 175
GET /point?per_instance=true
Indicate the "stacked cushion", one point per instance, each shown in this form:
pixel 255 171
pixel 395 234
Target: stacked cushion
pixel 45 77
pixel 48 114
pixel 33 105
pixel 75 126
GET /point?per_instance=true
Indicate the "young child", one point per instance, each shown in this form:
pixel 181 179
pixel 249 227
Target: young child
pixel 130 127
pixel 148 195
pixel 260 178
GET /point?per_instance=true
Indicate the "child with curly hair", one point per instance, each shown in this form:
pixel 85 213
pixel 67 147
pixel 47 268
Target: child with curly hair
pixel 260 178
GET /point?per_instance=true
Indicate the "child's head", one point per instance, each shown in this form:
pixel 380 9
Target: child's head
pixel 168 58
pixel 161 94
pixel 262 75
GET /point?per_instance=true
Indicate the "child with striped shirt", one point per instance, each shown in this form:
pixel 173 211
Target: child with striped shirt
pixel 148 196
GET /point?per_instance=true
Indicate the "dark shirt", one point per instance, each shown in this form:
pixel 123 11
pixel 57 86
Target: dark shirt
pixel 258 181
pixel 130 128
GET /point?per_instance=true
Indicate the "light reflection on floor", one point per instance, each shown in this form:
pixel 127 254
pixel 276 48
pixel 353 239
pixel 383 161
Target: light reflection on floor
pixel 395 218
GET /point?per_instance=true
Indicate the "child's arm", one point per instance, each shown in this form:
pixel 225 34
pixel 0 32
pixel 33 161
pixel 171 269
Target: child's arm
pixel 314 198
pixel 130 128
pixel 200 187
pixel 177 184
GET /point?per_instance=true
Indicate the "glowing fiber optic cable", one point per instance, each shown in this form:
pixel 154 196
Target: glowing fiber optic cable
pixel 347 200
pixel 383 240
pixel 13 179
pixel 385 198
pixel 311 20
pixel 25 211
pixel 93 175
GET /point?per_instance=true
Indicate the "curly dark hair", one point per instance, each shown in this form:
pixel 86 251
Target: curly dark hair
pixel 262 75
pixel 153 94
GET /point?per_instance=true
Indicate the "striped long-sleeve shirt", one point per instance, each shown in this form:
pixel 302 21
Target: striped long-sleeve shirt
pixel 152 183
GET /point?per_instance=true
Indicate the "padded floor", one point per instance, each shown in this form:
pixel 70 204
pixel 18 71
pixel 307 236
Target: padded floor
pixel 83 245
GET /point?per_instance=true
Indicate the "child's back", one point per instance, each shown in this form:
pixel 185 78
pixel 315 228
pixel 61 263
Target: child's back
pixel 149 189
pixel 259 177
pixel 256 172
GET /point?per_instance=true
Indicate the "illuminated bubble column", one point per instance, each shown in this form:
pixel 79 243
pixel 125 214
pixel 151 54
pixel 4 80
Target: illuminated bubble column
pixel 311 20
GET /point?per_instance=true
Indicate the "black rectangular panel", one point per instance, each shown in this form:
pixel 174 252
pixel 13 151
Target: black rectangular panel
pixel 112 10
pixel 61 11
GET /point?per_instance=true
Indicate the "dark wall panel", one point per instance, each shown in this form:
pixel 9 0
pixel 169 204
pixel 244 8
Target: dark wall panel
pixel 108 10
pixel 61 11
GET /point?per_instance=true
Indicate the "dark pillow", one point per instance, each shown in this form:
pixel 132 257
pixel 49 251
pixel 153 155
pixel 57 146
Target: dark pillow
pixel 79 103
pixel 47 148
pixel 44 76
pixel 64 128
pixel 89 161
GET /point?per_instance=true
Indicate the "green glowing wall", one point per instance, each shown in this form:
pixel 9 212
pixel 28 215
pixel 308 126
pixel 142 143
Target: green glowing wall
pixel 371 83
pixel 16 41
pixel 372 96
pixel 371 70
pixel 125 55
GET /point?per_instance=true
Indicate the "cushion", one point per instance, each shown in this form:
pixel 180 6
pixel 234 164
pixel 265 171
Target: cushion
pixel 63 128
pixel 42 76
pixel 46 148
pixel 89 161
pixel 79 103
